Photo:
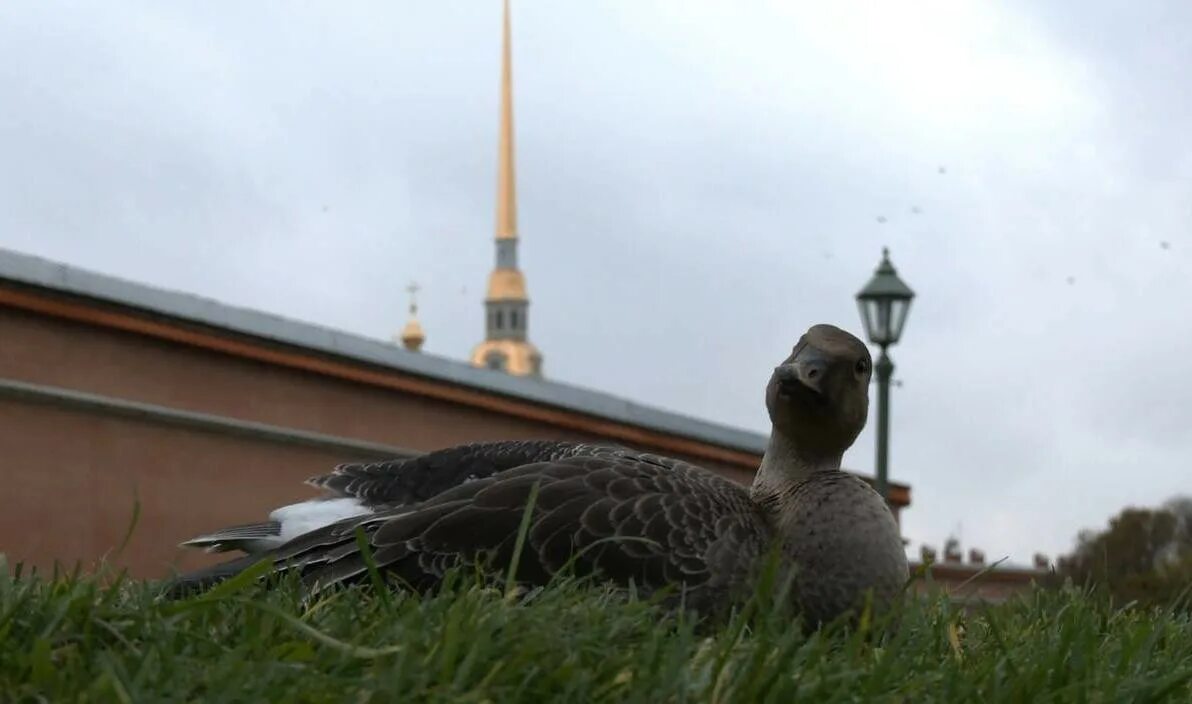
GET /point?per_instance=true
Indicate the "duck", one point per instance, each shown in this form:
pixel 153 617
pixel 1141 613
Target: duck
pixel 628 517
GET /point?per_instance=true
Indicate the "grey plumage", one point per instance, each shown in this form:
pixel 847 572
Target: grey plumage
pixel 858 548
pixel 379 486
pixel 633 517
pixel 630 516
pixel 409 481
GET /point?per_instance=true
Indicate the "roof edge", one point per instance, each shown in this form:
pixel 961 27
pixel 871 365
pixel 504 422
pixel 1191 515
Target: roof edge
pixel 43 273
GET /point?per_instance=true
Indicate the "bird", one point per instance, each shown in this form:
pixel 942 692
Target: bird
pixel 633 518
pixel 1165 244
pixel 881 219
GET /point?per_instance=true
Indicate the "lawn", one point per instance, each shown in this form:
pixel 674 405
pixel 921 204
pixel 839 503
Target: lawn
pixel 83 638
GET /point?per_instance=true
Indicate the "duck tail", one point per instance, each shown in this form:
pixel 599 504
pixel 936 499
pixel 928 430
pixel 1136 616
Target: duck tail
pixel 200 580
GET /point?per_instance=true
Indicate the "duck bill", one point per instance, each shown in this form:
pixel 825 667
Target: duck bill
pixel 804 373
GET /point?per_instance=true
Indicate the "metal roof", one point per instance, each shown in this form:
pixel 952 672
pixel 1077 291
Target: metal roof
pixel 43 273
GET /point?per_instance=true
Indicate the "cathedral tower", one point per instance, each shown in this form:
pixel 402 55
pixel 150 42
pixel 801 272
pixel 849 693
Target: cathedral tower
pixel 506 346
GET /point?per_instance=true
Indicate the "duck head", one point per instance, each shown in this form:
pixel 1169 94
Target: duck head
pixel 818 398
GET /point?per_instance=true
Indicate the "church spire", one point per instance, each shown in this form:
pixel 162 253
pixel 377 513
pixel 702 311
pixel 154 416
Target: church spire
pixel 506 173
pixel 506 346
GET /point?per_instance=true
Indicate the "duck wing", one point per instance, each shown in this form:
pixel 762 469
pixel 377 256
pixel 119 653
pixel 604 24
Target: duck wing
pixel 358 489
pixel 631 518
pixel 412 480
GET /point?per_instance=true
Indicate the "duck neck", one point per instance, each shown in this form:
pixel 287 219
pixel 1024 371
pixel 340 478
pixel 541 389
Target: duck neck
pixel 783 467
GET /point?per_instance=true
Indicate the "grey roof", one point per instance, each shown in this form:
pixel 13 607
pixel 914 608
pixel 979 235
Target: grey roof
pixel 35 271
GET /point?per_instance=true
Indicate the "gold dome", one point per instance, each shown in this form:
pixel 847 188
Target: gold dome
pixel 506 284
pixel 515 357
pixel 412 336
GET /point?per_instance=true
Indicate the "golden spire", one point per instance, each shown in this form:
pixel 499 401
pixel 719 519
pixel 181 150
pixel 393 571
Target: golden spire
pixel 506 346
pixel 506 181
pixel 412 336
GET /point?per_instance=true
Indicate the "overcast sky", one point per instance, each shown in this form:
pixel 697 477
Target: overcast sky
pixel 699 182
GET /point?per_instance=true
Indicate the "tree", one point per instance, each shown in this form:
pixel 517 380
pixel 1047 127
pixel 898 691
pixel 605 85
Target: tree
pixel 1144 555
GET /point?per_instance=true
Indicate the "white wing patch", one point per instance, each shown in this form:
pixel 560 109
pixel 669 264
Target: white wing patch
pixel 298 519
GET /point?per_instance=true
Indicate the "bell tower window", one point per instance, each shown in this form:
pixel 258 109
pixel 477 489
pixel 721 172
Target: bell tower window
pixel 495 360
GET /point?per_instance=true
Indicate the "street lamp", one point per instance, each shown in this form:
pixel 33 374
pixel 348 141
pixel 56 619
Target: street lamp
pixel 884 303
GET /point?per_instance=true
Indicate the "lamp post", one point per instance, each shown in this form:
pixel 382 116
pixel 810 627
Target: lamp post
pixel 884 303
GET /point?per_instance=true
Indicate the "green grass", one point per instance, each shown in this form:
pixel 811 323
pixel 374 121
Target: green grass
pixel 81 638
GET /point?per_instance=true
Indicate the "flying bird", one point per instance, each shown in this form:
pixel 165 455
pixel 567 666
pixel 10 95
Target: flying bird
pixel 1165 244
pixel 943 170
pixel 881 219
pixel 627 516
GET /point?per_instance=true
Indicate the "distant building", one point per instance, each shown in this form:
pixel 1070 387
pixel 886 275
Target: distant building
pixel 974 580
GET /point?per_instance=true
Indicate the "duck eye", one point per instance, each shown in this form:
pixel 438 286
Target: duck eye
pixel 862 366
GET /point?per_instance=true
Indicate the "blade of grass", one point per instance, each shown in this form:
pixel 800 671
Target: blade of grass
pixel 522 531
